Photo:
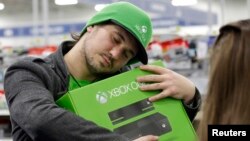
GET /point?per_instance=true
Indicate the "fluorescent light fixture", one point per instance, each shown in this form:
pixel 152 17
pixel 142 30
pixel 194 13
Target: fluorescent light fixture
pixel 66 2
pixel 184 2
pixel 1 6
pixel 99 7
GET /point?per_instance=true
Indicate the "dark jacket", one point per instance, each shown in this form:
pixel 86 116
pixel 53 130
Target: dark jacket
pixel 32 86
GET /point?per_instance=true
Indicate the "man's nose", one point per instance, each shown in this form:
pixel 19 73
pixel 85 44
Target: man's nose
pixel 116 52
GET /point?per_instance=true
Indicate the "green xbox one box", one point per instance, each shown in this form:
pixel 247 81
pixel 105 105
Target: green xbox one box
pixel 117 103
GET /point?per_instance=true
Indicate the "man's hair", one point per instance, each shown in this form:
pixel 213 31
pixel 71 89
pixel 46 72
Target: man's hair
pixel 76 36
pixel 228 94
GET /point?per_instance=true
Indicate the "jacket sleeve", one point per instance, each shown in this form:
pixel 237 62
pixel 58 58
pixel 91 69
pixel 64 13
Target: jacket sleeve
pixel 193 108
pixel 35 115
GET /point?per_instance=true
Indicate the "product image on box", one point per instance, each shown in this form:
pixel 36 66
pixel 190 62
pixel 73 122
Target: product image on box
pixel 116 103
pixel 156 124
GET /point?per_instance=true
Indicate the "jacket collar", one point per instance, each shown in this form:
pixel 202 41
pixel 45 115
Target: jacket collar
pixel 57 60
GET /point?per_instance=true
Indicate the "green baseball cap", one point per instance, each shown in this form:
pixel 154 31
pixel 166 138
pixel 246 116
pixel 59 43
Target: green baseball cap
pixel 131 18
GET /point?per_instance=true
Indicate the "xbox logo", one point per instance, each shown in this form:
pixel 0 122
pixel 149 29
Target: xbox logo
pixel 101 97
pixel 144 29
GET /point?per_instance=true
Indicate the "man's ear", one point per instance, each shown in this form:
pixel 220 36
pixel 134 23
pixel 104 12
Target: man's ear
pixel 90 28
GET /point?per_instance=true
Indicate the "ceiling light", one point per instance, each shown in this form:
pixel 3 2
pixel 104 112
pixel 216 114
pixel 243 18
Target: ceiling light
pixel 99 7
pixel 184 2
pixel 66 2
pixel 1 6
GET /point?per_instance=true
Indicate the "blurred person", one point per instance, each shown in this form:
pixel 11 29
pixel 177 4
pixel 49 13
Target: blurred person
pixel 109 41
pixel 154 50
pixel 192 52
pixel 227 99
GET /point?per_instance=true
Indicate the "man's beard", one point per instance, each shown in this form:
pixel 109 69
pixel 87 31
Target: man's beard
pixel 95 68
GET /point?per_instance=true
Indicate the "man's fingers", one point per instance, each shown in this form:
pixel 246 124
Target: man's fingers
pixel 151 78
pixel 148 138
pixel 151 87
pixel 159 96
pixel 154 69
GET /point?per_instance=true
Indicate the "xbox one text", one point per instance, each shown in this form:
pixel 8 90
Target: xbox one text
pixel 124 89
pixel 103 97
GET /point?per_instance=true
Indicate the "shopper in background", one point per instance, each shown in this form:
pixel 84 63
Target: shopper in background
pixel 227 100
pixel 192 52
pixel 110 40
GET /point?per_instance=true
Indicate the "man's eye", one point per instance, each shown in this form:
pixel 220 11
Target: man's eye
pixel 116 40
pixel 125 55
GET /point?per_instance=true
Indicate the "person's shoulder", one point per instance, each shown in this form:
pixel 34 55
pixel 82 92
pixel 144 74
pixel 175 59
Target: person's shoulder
pixel 29 66
pixel 27 62
pixel 32 59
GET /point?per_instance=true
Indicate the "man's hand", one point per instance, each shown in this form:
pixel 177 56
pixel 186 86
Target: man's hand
pixel 171 83
pixel 148 138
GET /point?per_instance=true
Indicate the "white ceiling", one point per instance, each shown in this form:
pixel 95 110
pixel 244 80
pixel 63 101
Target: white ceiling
pixel 15 9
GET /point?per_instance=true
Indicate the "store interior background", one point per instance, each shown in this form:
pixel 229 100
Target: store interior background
pixel 37 27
